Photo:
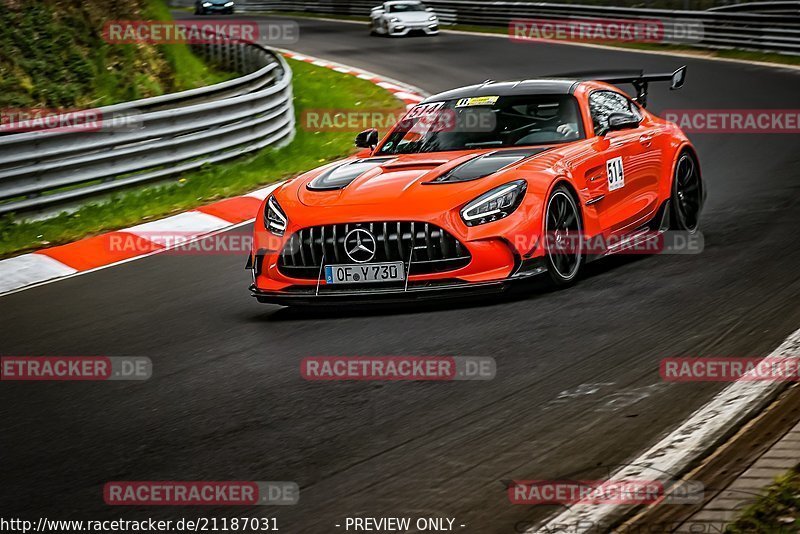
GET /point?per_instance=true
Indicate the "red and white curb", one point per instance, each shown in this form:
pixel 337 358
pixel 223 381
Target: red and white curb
pixel 407 93
pixel 93 253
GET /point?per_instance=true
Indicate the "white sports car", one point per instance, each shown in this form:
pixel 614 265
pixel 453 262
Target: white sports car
pixel 400 17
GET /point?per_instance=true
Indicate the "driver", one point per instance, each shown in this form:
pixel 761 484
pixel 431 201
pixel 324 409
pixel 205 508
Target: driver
pixel 565 115
pixel 568 129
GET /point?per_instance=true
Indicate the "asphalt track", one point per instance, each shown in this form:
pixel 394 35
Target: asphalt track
pixel 227 402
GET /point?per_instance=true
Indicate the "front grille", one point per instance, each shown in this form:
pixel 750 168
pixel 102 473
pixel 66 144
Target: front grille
pixel 432 249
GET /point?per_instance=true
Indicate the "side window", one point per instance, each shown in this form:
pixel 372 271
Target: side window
pixel 604 103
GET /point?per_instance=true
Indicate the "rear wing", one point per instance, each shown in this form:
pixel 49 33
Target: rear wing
pixel 641 80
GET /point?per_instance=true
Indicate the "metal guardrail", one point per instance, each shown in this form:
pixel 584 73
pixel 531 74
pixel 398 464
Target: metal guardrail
pixel 721 29
pixel 151 139
pixel 780 7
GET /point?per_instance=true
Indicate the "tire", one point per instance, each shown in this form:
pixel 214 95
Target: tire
pixel 563 226
pixel 686 199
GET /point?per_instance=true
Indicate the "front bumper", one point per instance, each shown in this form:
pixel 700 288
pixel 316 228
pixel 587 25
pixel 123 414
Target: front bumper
pixel 217 9
pixel 427 287
pixel 400 30
pixel 308 296
pixel 498 253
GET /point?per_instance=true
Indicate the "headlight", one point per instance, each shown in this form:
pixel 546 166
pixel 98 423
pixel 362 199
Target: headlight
pixel 432 18
pixel 229 4
pixel 495 204
pixel 274 219
pixel 394 19
pixel 206 4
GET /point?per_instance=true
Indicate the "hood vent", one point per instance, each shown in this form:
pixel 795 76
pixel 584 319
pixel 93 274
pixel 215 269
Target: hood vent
pixel 485 165
pixel 343 175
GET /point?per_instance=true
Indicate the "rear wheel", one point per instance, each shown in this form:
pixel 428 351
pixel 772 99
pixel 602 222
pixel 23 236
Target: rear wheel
pixel 687 194
pixel 563 237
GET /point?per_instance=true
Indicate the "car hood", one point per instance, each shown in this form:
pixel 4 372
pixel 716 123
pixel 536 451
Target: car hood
pixel 411 178
pixel 412 16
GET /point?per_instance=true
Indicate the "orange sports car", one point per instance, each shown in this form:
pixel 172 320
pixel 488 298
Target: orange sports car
pixel 478 187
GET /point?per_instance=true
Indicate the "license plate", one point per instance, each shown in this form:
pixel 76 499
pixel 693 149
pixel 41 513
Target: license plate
pixel 365 273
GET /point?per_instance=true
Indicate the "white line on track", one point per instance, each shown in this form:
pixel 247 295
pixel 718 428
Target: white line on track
pixel 673 53
pixel 690 441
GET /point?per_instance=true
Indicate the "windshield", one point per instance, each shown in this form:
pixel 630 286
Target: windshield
pixel 405 8
pixel 486 122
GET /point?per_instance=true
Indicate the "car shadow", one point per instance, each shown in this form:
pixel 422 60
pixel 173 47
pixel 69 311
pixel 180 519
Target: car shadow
pixel 333 311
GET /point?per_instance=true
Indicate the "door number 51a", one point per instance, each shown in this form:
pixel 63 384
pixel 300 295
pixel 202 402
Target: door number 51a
pixel 616 174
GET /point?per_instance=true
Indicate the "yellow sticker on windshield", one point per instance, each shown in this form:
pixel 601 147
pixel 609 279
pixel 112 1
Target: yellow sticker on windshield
pixel 477 101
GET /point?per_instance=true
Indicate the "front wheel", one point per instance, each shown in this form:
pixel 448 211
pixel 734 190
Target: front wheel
pixel 687 194
pixel 563 237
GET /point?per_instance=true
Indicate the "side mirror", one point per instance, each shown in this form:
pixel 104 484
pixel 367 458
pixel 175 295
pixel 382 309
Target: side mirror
pixel 367 139
pixel 622 121
pixel 678 78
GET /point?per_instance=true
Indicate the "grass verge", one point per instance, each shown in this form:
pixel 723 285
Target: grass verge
pixel 188 70
pixel 314 88
pixel 54 56
pixel 777 511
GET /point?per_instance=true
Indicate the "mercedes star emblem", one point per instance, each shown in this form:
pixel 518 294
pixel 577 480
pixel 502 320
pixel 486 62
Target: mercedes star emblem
pixel 360 245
